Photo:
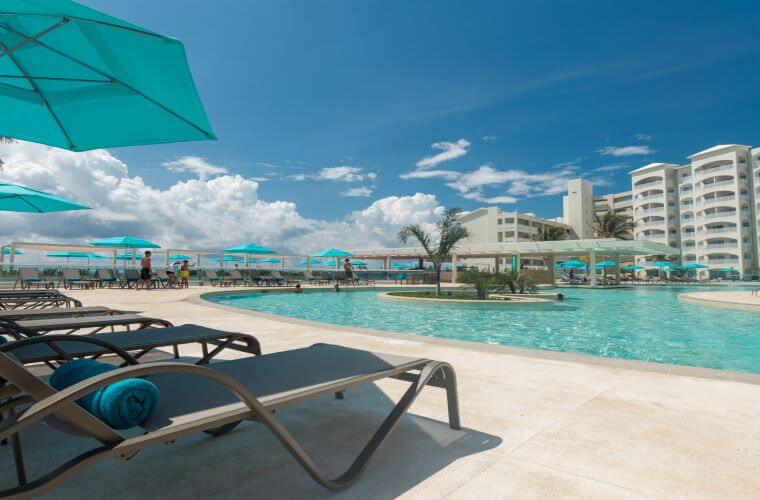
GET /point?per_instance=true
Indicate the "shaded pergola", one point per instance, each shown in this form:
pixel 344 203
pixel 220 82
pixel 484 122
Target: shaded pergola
pixel 590 248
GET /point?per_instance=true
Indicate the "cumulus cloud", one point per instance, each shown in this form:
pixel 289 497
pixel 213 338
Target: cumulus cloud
pixel 337 174
pixel 198 213
pixel 195 165
pixel 626 150
pixel 643 137
pixel 359 192
pixel 449 151
pixel 515 182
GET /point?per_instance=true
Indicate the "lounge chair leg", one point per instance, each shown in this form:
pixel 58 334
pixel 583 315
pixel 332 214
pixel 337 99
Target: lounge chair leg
pixel 175 348
pixel 340 394
pixel 18 457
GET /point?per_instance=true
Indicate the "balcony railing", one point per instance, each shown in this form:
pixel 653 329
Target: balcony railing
pixel 719 230
pixel 720 261
pixel 720 215
pixel 712 170
pixel 654 223
pixel 715 185
pixel 710 246
pixel 717 199
pixel 650 211
pixel 650 197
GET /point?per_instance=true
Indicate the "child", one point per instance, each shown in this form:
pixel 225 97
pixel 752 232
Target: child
pixel 184 273
pixel 298 289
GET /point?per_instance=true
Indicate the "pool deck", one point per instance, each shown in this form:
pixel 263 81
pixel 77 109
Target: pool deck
pixel 742 300
pixel 536 424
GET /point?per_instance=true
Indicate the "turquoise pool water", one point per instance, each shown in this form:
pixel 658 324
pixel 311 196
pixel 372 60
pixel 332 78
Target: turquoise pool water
pixel 644 323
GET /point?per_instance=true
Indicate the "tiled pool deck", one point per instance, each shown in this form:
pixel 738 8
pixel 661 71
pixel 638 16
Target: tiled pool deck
pixel 535 425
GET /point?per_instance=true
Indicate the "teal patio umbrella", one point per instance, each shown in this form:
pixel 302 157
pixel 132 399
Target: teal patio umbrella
pixel 179 256
pixel 122 242
pixel 694 265
pixel 334 252
pixel 605 263
pixel 633 267
pixel 271 260
pixel 17 198
pixel 76 78
pixel 229 258
pixel 16 251
pixel 250 249
pixel 75 255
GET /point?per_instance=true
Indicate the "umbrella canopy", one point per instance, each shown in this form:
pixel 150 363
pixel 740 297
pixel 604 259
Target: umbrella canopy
pixel 401 265
pixel 271 260
pixel 312 261
pixel 16 198
pixel 355 262
pixel 16 251
pixel 229 258
pixel 124 242
pixel 633 267
pixel 727 270
pixel 694 265
pixel 179 256
pixel 334 252
pixel 75 255
pixel 574 263
pixel 79 79
pixel 664 263
pixel 249 248
pixel 605 263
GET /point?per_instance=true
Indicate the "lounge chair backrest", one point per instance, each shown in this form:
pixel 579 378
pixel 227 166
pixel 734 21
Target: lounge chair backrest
pixel 276 274
pixel 132 274
pixel 161 273
pixel 105 274
pixel 71 274
pixel 210 274
pixel 72 415
pixel 235 275
pixel 29 273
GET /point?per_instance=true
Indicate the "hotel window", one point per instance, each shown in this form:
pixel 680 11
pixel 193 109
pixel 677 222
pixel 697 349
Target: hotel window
pixel 500 222
pixel 500 236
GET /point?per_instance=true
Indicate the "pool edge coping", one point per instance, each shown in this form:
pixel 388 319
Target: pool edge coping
pixel 525 352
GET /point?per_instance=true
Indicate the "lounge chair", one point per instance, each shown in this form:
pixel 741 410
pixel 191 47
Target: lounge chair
pixel 399 278
pixel 365 279
pixel 283 280
pixel 93 324
pixel 315 278
pixel 160 278
pixel 214 278
pixel 56 312
pixel 215 399
pixel 130 278
pixel 106 277
pixel 236 278
pixel 29 277
pixel 61 347
pixel 35 299
pixel 71 278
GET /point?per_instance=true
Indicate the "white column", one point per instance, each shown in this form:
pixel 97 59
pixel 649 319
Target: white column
pixel 167 257
pixel 453 268
pixel 115 260
pixel 592 267
pixel 2 254
pixel 387 263
pixel 308 262
pixel 12 258
pixel 617 269
pixel 496 266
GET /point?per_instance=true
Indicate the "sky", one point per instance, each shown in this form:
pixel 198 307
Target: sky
pixel 340 121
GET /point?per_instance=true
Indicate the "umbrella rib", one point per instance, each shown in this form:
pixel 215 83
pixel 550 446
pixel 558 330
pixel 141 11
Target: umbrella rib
pixel 84 20
pixel 111 78
pixel 28 39
pixel 39 93
pixel 59 79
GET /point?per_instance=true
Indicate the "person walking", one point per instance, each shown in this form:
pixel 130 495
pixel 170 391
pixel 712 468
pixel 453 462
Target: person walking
pixel 349 270
pixel 146 278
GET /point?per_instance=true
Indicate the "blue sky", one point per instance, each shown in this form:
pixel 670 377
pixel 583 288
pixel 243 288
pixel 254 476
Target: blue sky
pixel 537 89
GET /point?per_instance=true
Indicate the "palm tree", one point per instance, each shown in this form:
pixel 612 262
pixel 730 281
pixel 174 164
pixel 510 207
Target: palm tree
pixel 483 282
pixel 450 232
pixel 550 233
pixel 612 225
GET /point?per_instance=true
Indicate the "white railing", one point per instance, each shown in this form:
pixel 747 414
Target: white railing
pixel 714 185
pixel 717 199
pixel 654 223
pixel 712 170
pixel 720 261
pixel 720 215
pixel 720 230
pixel 719 245
pixel 650 211
pixel 650 197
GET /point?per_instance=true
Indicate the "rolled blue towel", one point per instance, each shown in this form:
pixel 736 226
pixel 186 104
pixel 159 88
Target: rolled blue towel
pixel 121 405
pixel 3 340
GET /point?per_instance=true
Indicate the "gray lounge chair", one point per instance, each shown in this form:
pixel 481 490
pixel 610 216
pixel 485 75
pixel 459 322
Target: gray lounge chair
pixel 130 278
pixel 71 278
pixel 93 324
pixel 213 277
pixel 215 399
pixel 106 277
pixel 56 312
pixel 61 347
pixel 29 277
pixel 160 278
pixel 236 278
pixel 35 299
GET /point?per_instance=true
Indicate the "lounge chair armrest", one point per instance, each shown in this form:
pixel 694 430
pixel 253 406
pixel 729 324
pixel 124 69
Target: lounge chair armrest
pixel 51 340
pixel 60 399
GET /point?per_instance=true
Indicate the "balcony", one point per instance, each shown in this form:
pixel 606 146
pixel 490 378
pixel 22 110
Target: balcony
pixel 710 246
pixel 720 262
pixel 717 199
pixel 730 214
pixel 715 185
pixel 653 223
pixel 650 211
pixel 719 230
pixel 651 197
pixel 714 170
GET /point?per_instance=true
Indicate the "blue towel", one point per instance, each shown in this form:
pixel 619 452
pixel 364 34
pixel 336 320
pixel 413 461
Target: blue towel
pixel 121 405
pixel 3 340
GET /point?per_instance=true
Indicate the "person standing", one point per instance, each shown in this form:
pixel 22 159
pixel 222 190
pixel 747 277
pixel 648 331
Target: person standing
pixel 349 269
pixel 145 272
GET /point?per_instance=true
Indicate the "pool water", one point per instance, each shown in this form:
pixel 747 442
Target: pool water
pixel 642 323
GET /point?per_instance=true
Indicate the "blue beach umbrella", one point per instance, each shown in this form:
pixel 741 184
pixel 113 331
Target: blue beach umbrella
pixel 229 258
pixel 17 198
pixel 574 263
pixel 664 263
pixel 76 78
pixel 75 255
pixel 179 256
pixel 605 263
pixel 124 242
pixel 249 248
pixel 334 252
pixel 694 265
pixel 633 267
pixel 271 260
pixel 16 251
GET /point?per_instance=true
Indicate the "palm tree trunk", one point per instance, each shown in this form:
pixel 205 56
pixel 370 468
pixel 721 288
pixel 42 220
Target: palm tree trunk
pixel 438 279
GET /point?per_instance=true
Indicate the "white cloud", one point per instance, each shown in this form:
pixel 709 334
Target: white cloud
pixel 643 137
pixel 431 174
pixel 359 192
pixel 516 183
pixel 196 213
pixel 196 165
pixel 611 168
pixel 474 195
pixel 626 150
pixel 337 174
pixel 449 151
pixel 489 138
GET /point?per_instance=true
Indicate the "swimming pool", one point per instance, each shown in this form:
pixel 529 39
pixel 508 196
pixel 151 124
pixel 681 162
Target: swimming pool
pixel 642 323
